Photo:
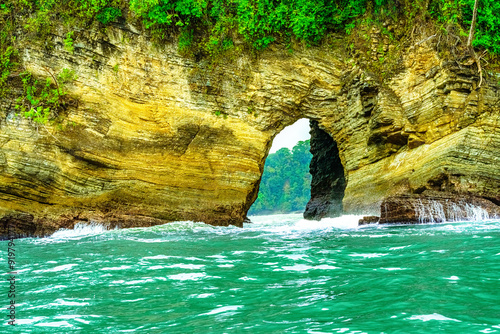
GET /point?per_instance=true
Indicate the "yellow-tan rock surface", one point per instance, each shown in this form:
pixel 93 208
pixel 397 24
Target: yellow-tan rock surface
pixel 156 137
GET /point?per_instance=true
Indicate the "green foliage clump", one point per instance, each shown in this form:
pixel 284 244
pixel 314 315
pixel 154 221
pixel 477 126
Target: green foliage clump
pixel 262 22
pixel 45 14
pixel 459 13
pixel 259 22
pixel 39 98
pixel 108 15
pixel 42 98
pixel 66 76
pixel 217 26
pixel 7 50
pixel 68 42
pixel 286 182
pixel 488 23
pixel 6 65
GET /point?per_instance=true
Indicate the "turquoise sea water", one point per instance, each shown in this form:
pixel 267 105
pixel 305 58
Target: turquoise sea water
pixel 280 274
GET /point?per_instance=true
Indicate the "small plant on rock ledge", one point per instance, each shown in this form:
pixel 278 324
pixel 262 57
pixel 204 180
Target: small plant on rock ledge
pixel 68 42
pixel 220 113
pixel 43 98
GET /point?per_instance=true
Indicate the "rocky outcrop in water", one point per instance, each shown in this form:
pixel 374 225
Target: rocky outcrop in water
pixel 153 137
pixel 436 208
pixel 328 181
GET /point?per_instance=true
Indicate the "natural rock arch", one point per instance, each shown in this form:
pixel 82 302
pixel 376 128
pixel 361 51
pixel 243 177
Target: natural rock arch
pixel 166 138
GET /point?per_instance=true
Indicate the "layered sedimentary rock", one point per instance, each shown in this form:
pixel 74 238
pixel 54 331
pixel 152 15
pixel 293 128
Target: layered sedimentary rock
pixel 154 137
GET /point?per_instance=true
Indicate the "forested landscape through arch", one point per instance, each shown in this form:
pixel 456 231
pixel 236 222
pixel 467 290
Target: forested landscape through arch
pixel 308 178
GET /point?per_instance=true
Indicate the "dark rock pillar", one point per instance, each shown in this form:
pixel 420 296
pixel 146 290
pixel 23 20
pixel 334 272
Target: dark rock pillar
pixel 328 181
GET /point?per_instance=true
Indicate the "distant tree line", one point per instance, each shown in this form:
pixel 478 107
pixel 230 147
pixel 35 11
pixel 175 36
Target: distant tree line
pixel 286 182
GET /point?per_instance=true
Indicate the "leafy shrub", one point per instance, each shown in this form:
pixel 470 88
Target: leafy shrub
pixel 488 24
pixel 39 98
pixel 6 65
pixel 68 42
pixel 109 14
pixel 66 76
pixel 7 50
pixel 42 98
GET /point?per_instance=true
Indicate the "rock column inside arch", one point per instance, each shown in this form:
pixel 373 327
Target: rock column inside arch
pixel 328 180
pixel 168 138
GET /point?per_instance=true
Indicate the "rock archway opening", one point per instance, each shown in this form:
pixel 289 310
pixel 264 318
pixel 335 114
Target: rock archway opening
pixel 302 174
pixel 285 183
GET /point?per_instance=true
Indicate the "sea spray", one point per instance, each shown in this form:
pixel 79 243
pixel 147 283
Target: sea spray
pixel 436 212
pixel 79 230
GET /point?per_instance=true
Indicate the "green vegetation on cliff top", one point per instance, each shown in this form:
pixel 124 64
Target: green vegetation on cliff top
pixel 210 28
pixel 286 182
pixel 215 25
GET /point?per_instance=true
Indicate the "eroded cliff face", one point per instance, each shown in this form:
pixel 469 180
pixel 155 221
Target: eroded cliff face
pixel 154 137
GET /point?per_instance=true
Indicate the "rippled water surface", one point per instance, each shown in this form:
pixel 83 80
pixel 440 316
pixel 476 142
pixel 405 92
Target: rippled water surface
pixel 280 274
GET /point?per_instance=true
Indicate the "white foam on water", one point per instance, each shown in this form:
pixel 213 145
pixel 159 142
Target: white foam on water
pixel 50 288
pixel 202 295
pixel 27 321
pixel 368 255
pixel 345 222
pixel 187 276
pixel 55 324
pixel 64 267
pixel 159 257
pixel 434 316
pixel 396 248
pixel 305 267
pixel 180 226
pixel 139 281
pixel 132 300
pixel 223 309
pixel 295 223
pixel 62 302
pixel 326 267
pixel 294 257
pixel 80 230
pixel 156 267
pixel 186 266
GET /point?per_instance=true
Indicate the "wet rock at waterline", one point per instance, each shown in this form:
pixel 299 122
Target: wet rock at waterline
pixel 436 208
pixel 368 220
pixel 168 138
